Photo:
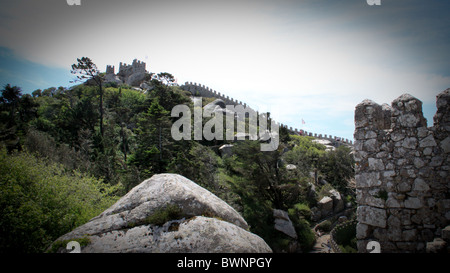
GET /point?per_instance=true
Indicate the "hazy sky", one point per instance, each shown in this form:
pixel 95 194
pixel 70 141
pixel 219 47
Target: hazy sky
pixel 312 60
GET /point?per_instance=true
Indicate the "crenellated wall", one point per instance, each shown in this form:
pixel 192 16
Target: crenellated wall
pixel 402 173
pixel 204 91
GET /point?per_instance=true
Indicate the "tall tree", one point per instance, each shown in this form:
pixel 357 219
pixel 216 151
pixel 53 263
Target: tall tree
pixel 10 98
pixel 153 137
pixel 86 70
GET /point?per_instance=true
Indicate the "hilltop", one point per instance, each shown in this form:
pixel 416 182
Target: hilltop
pixel 112 138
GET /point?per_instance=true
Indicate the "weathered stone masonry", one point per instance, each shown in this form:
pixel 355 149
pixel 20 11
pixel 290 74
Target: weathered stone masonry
pixel 402 173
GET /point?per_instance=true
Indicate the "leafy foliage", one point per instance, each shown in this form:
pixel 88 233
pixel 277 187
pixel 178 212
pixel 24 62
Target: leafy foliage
pixel 41 201
pixel 71 152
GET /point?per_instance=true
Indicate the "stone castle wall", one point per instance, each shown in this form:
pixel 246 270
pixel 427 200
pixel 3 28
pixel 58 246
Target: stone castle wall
pixel 204 91
pixel 402 173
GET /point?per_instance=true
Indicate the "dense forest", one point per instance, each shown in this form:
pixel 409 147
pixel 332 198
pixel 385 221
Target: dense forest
pixel 67 154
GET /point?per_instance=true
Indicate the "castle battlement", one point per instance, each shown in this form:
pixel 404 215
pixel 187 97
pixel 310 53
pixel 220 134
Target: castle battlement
pixel 201 90
pixel 135 67
pixel 132 74
pixel 110 69
pixel 401 174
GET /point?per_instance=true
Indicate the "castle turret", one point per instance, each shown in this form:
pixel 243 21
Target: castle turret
pixel 109 69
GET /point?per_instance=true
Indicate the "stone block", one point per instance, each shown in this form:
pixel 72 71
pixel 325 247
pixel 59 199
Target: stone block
pixel 409 235
pixel 409 143
pixel 371 216
pixel 368 179
pixel 427 142
pixel 445 145
pixel 420 185
pixel 418 162
pixel 437 246
pixel 376 164
pixel 446 233
pixel 362 231
pixel 371 145
pixel 413 203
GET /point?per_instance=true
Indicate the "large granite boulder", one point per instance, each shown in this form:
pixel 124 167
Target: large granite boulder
pixel 338 202
pixel 204 222
pixel 283 223
pixel 325 206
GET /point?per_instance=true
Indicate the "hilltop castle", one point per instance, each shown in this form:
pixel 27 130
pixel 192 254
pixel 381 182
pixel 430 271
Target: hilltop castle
pixel 133 74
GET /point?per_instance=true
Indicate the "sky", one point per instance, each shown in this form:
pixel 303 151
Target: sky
pixel 311 60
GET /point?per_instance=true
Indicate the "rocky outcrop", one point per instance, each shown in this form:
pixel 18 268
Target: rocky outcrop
pixel 329 205
pixel 199 234
pixel 325 206
pixel 338 203
pixel 283 223
pixel 204 223
pixel 135 79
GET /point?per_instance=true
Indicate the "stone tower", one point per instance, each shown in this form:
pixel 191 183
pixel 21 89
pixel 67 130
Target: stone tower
pixel 402 174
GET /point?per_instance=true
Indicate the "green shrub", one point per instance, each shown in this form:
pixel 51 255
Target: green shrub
pixel 325 226
pixel 305 235
pixel 163 215
pixel 39 201
pixel 303 210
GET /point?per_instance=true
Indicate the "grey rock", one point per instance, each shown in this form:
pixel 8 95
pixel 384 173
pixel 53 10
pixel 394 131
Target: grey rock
pixel 408 120
pixel 135 79
pixel 436 246
pixel 198 235
pixel 371 216
pixel 365 180
pixel 428 142
pixel 376 164
pixel 418 163
pixel 291 167
pixel 371 145
pixel 283 223
pixel 338 203
pixel 146 86
pixel 122 227
pixel 112 78
pixel 315 214
pixel 409 143
pixel 420 185
pixel 326 206
pixel 413 203
pixel 445 145
pixel 446 233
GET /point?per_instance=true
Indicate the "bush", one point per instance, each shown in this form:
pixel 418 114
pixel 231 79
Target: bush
pixel 305 235
pixel 302 210
pixel 40 201
pixel 325 226
pixel 164 215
